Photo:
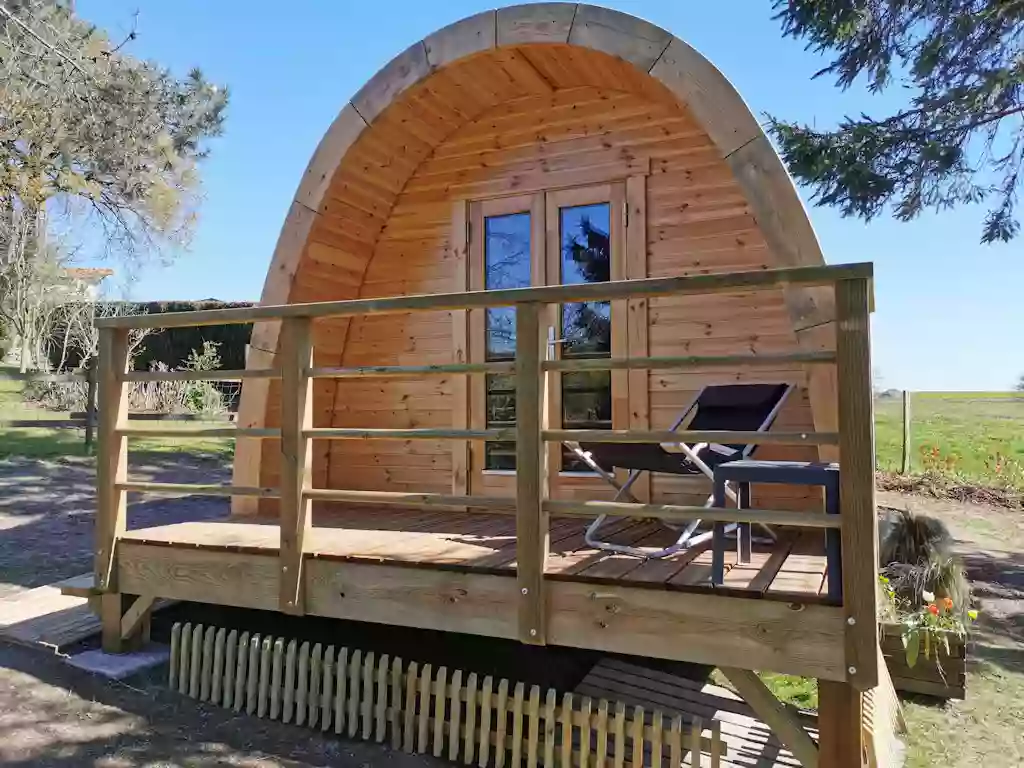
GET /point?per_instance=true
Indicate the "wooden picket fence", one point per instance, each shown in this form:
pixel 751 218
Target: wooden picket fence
pixel 423 710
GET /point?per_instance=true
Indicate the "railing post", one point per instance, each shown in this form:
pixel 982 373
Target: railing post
pixel 296 355
pixel 857 481
pixel 111 469
pixel 90 402
pixel 531 478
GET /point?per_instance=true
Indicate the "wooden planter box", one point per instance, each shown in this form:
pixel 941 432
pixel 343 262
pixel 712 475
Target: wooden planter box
pixel 924 677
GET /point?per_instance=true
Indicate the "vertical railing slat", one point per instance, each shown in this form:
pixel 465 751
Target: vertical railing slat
pixel 637 735
pixel 531 477
pixel 381 703
pixel 550 728
pixel 341 691
pixel 440 699
pixel 315 675
pixel 366 707
pixel 485 722
pixel 423 722
pixel 586 732
pixel 696 727
pixel 602 734
pixel 859 533
pixel 501 723
pixel 469 744
pixel 566 730
pixel 296 355
pixel 288 694
pixel 111 469
pixel 327 690
pixel 409 723
pixel 354 670
pixel 302 688
pixel 218 665
pixel 619 730
pixel 396 703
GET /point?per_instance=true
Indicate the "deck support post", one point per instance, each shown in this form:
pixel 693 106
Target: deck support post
pixel 111 469
pixel 840 725
pixel 532 535
pixel 775 714
pixel 857 481
pixel 296 354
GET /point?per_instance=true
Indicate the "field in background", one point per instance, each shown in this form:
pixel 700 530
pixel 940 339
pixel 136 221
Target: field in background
pixel 977 437
pixel 43 443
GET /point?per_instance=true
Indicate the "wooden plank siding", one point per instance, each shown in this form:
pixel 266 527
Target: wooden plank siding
pixel 529 120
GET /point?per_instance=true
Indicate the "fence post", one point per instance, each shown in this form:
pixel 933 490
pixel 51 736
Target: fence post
pixel 90 401
pixel 111 469
pixel 296 352
pixel 531 478
pixel 857 481
pixel 905 467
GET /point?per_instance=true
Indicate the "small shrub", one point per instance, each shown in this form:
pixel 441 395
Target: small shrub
pixel 914 539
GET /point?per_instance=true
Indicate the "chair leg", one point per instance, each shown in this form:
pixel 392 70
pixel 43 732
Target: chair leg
pixel 718 538
pixel 744 535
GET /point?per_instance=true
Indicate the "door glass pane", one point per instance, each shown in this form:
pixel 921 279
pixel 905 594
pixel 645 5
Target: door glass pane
pixel 506 265
pixel 586 326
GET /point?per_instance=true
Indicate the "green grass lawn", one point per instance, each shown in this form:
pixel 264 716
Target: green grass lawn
pixel 977 437
pixel 44 443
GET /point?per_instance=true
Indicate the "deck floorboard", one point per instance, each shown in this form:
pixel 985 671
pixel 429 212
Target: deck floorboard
pixel 485 543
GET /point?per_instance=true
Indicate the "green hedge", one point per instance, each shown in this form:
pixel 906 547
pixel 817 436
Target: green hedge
pixel 173 345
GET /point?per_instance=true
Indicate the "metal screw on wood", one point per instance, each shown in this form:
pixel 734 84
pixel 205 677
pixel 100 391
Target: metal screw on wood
pixel 526 591
pixel 851 621
pixel 533 633
pixel 852 670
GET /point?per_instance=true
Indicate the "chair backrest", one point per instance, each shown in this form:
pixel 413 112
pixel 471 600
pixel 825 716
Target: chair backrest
pixel 742 407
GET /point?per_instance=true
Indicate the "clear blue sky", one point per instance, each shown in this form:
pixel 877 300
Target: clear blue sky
pixel 950 312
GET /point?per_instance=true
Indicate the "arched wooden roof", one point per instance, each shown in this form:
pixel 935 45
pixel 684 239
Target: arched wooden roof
pixel 394 123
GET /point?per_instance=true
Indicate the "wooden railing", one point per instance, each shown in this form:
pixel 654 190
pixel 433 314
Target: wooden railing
pixel 531 505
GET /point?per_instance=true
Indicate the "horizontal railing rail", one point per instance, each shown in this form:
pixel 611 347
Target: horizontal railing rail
pixel 294 366
pixel 554 294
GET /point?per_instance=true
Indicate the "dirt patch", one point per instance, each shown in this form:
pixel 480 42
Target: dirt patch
pixel 984 729
pixel 54 715
pixel 941 487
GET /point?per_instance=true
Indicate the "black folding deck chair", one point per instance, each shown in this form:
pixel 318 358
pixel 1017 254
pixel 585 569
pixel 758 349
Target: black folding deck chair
pixel 735 407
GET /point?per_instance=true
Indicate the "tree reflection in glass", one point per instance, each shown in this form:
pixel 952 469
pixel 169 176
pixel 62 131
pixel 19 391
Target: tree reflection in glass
pixel 586 326
pixel 506 265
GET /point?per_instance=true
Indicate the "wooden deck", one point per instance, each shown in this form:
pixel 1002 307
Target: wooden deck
pixel 793 568
pixel 53 616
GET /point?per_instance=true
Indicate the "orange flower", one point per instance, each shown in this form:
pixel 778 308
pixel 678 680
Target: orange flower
pixel 933 609
pixel 947 603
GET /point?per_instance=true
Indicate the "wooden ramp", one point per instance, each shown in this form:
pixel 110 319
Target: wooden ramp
pixel 750 743
pixel 45 616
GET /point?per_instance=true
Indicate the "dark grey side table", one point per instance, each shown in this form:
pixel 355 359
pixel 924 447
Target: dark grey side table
pixel 744 472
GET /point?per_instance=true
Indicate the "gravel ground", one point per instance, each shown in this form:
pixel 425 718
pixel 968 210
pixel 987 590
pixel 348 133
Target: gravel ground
pixel 47 508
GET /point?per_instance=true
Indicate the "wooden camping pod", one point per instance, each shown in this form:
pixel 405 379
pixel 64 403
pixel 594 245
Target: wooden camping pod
pixel 532 105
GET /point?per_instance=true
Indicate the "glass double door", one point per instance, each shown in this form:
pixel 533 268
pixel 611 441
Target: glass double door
pixel 560 237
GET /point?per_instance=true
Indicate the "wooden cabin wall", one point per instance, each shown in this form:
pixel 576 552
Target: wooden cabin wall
pixel 697 221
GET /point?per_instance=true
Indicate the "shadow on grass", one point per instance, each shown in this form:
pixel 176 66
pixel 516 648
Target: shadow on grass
pixel 42 443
